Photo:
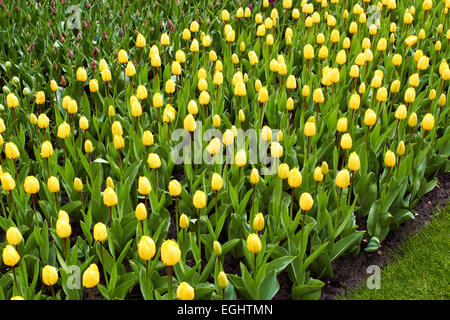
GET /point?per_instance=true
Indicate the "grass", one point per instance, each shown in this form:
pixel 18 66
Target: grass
pixel 419 270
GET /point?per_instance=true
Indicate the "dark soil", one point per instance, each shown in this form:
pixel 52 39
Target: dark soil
pixel 350 272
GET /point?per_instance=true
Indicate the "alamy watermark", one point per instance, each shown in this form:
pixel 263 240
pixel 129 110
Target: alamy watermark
pixel 374 280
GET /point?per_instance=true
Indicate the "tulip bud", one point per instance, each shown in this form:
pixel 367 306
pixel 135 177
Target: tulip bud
pixel 324 167
pixel 11 150
pixel 276 150
pixel 308 52
pixel 216 121
pixel 343 179
pixel 254 176
pixel 63 229
pixel 122 56
pixel 154 161
pixel 81 74
pixel 401 149
pixel 310 129
pixel 389 159
pixel 370 117
pixel 217 248
pixel 258 222
pixel 13 236
pixel 427 122
pixel 185 291
pixel 240 158
pixel 306 201
pixel 8 182
pixel 199 199
pixel 342 125
pixel 170 253
pixel 283 171
pixel 147 138
pixel 146 248
pixel 216 182
pixel 140 41
pixel 100 233
pixel 318 175
pixel 184 221
pixel 49 275
pixel 353 162
pixel 144 186
pixel 222 280
pixel 63 130
pixel 31 185
pixel 442 100
pixel 253 243
pixel 53 85
pixel 109 197
pixel 91 276
pixel 10 256
pixel 53 184
pixel 401 112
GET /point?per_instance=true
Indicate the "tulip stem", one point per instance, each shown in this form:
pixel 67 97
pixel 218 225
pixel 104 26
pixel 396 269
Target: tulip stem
pixel 120 164
pixel 292 203
pixel 239 177
pixel 110 216
pixel 65 249
pixel 14 207
pixel 156 183
pixel 198 235
pixel 303 229
pixel 216 209
pixel 337 210
pixel 169 286
pixel 56 201
pixel 343 159
pixel 48 168
pixel 254 265
pixel 92 293
pixel 142 227
pixel 34 209
pixel 307 149
pixel 351 187
pixel 15 277
pixel 176 214
pixel 53 292
pixel 103 264
pixel 367 137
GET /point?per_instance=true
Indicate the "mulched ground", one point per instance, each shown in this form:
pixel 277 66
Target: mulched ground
pixel 350 272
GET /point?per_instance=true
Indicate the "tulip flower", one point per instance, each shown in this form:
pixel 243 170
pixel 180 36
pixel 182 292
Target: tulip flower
pixel 8 184
pixel 11 258
pixel 199 201
pixel 185 291
pixel 13 236
pixel 254 246
pixel 31 186
pixel 309 131
pixel 427 125
pixel 110 200
pixel 222 281
pixel 170 256
pixel 91 278
pixel 258 222
pixel 50 277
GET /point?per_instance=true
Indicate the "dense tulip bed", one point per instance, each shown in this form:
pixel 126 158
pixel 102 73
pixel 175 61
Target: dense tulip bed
pixel 347 101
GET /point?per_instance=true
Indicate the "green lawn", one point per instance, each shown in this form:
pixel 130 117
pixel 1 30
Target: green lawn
pixel 420 269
